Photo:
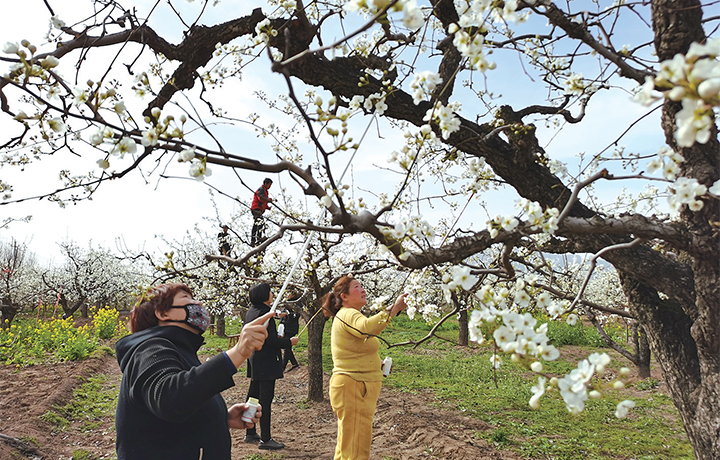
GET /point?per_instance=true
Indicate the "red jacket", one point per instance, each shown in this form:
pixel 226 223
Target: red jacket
pixel 261 199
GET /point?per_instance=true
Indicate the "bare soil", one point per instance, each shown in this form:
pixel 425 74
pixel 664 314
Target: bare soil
pixel 407 425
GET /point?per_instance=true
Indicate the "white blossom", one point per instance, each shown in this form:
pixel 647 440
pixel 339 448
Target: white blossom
pixel 187 154
pixel 126 145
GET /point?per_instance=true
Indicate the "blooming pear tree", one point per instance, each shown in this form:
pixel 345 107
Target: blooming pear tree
pixel 19 279
pixel 93 277
pixel 469 98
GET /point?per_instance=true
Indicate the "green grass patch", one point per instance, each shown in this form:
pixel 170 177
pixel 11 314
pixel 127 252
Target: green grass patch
pixel 92 403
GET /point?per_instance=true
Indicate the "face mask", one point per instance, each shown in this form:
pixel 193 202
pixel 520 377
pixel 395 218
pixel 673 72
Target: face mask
pixel 197 316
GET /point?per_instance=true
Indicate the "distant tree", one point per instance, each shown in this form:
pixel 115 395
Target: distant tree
pixel 18 269
pixel 94 277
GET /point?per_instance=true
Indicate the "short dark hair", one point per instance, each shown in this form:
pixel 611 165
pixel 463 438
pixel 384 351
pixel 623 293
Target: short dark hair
pixel 259 293
pixel 267 181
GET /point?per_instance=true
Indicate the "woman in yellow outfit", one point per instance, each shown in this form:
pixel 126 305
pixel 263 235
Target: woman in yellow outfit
pixel 357 375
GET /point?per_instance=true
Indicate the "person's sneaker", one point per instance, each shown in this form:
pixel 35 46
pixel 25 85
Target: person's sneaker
pixel 271 444
pixel 252 438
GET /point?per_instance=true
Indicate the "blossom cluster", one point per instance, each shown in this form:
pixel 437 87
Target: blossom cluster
pixel 445 117
pixel 527 343
pixel 471 47
pixel 575 85
pixel 409 227
pixel 546 221
pixel 479 174
pixel 263 31
pixel 474 12
pixel 683 190
pixel 693 79
pixel 421 290
pixel 537 218
pixel 686 191
pixel 423 84
pixel 666 161
pixel 412 15
pixel 417 144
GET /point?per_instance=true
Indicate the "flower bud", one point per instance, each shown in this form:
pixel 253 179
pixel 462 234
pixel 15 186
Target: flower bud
pixel 49 62
pixel 709 88
pixel 10 48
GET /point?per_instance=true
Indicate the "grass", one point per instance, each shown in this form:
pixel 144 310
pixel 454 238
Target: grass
pixel 462 377
pixel 93 402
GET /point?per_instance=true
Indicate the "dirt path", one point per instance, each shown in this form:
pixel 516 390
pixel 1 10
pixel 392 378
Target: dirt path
pixel 406 425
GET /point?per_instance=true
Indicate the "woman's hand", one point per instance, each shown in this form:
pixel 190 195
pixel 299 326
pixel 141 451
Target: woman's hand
pixel 399 305
pixel 252 337
pixel 236 411
pixel 294 340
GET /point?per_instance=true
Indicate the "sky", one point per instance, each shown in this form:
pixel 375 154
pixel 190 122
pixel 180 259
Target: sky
pixel 136 210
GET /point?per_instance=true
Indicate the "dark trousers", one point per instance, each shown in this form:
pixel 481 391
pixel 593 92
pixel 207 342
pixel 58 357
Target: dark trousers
pixel 257 234
pixel 288 355
pixel 264 391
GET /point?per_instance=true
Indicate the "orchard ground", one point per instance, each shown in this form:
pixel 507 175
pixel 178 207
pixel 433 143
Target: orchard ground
pixel 408 425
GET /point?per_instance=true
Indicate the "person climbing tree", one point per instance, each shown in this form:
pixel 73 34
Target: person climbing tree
pixel 224 241
pixel 261 201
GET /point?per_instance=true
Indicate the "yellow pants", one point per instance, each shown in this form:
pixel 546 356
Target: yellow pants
pixel 354 404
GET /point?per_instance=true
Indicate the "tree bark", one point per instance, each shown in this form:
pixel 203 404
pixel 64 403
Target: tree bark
pixel 463 334
pixel 220 325
pixel 315 331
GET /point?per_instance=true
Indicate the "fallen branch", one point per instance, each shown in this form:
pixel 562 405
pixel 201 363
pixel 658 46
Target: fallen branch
pixel 26 449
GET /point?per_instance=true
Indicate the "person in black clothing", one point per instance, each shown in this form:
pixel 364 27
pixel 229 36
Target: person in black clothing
pixel 291 327
pixel 169 406
pixel 224 241
pixel 265 366
pixel 260 203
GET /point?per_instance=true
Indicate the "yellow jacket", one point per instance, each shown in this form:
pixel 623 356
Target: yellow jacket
pixel 354 353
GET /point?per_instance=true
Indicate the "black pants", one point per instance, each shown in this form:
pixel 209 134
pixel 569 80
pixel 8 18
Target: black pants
pixel 288 355
pixel 257 234
pixel 264 391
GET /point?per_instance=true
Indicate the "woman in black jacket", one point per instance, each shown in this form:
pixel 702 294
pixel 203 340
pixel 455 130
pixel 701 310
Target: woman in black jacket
pixel 265 366
pixel 291 324
pixel 170 407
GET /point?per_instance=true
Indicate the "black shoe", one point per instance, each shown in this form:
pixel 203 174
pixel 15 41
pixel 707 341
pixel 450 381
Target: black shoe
pixel 271 445
pixel 252 438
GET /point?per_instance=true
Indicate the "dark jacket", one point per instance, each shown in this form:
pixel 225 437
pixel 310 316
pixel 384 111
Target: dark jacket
pixel 169 405
pixel 292 323
pixel 261 199
pixel 266 363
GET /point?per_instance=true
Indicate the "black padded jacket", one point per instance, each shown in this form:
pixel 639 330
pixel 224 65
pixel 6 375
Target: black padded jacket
pixel 170 405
